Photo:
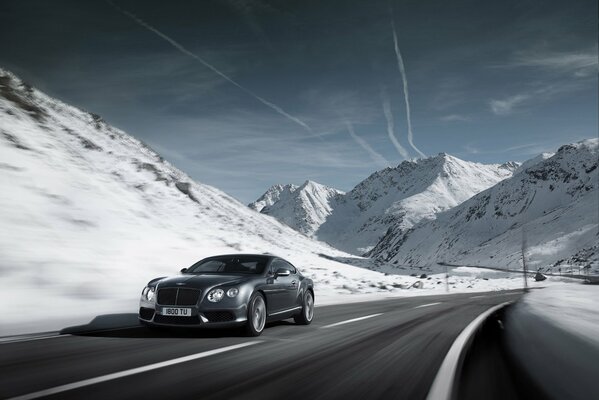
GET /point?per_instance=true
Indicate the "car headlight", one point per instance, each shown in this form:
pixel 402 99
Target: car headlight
pixel 232 292
pixel 215 295
pixel 148 293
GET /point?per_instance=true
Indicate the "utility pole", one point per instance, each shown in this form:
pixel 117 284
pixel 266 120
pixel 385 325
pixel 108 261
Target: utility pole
pixel 446 279
pixel 524 269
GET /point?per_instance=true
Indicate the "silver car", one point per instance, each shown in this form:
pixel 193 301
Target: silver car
pixel 229 290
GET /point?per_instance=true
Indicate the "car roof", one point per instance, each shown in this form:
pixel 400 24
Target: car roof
pixel 269 255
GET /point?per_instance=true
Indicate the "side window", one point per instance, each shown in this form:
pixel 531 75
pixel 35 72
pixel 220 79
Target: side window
pixel 274 266
pixel 289 267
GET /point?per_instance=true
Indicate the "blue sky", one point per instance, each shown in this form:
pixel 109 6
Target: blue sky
pixel 250 93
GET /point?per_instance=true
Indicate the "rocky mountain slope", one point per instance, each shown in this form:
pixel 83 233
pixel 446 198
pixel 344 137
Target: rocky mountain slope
pixel 391 198
pixel 402 196
pixel 554 200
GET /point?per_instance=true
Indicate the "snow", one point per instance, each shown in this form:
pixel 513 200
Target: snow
pixel 552 205
pixel 271 196
pixel 533 161
pixel 394 198
pixel 400 197
pixel 303 208
pixel 573 308
pixel 90 215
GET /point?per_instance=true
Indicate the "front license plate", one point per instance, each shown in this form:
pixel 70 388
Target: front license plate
pixel 176 311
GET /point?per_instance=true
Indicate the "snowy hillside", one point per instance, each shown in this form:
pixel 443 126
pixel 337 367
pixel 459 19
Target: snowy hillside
pixel 402 196
pixel 556 200
pixel 304 208
pixel 90 214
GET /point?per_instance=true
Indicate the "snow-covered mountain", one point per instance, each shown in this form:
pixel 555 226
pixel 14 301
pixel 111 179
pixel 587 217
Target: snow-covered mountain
pixel 272 195
pixel 90 214
pixel 533 161
pixel 555 200
pixel 304 208
pixel 400 197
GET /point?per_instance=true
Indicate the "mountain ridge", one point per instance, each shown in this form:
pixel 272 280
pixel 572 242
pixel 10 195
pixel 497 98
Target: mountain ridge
pixel 393 196
pixel 553 199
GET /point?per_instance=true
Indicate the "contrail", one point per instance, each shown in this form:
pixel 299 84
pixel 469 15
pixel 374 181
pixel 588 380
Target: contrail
pixel 183 50
pixel 374 155
pixel 391 125
pixel 402 70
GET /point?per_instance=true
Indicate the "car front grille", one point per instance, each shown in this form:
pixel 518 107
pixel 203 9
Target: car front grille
pixel 219 316
pixel 146 313
pixel 178 296
pixel 167 319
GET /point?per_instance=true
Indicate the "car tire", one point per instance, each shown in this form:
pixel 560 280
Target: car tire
pixel 306 316
pixel 256 315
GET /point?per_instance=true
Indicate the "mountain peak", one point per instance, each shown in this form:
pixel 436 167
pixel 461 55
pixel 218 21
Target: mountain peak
pixel 271 196
pixel 303 208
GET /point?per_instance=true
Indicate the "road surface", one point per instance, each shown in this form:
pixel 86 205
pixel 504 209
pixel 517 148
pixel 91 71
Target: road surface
pixel 372 350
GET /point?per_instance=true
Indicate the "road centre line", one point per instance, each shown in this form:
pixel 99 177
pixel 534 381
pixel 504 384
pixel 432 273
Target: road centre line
pixel 427 305
pixel 352 320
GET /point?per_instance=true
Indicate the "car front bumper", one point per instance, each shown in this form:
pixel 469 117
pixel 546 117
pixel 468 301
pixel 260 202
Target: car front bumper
pixel 201 317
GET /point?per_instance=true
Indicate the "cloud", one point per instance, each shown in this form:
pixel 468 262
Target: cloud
pixel 455 118
pixel 391 125
pixel 555 73
pixel 539 91
pixel 374 155
pixel 525 149
pixel 506 106
pixel 404 79
pixel 580 64
pixel 217 71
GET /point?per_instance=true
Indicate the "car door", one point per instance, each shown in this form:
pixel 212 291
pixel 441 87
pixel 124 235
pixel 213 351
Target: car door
pixel 291 285
pixel 275 290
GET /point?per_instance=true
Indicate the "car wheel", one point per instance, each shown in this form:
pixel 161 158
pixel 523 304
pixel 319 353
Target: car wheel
pixel 256 315
pixel 307 314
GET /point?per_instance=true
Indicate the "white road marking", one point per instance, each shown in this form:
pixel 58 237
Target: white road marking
pixel 17 339
pixel 128 372
pixel 427 305
pixel 478 297
pixel 442 387
pixel 352 320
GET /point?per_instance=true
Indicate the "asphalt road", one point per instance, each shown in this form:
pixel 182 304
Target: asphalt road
pixel 394 352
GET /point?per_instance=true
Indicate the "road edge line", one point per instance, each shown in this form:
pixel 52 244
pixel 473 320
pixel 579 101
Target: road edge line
pixel 128 372
pixel 443 385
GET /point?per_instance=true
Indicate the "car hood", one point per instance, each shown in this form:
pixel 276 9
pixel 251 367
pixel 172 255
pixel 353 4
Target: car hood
pixel 201 281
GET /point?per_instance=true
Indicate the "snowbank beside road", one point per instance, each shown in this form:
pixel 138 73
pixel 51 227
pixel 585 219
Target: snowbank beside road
pixel 553 336
pixel 573 308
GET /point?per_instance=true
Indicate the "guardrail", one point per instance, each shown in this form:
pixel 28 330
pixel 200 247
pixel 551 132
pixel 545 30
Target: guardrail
pixel 594 279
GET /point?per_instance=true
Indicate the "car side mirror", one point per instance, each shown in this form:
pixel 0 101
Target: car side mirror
pixel 282 272
pixel 183 270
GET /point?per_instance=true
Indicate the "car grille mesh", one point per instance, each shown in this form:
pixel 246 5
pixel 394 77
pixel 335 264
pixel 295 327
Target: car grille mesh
pixel 219 316
pixel 146 313
pixel 178 296
pixel 167 319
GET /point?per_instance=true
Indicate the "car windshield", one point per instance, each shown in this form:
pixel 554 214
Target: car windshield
pixel 230 265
